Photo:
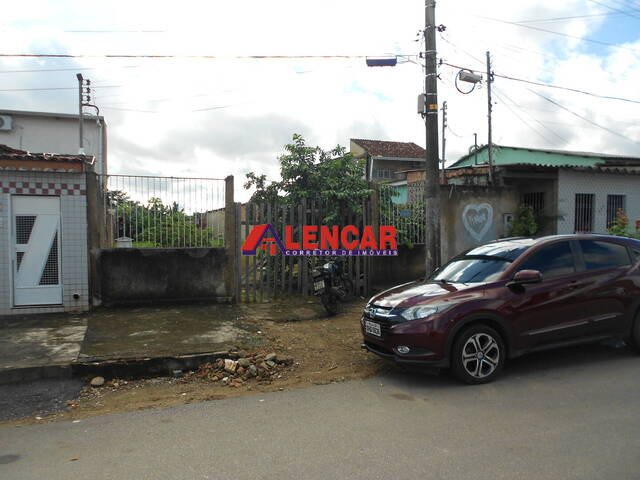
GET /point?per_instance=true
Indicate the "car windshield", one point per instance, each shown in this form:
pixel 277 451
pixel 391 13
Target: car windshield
pixel 482 264
pixel 471 270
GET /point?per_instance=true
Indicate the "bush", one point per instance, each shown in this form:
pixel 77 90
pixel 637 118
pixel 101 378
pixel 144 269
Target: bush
pixel 524 224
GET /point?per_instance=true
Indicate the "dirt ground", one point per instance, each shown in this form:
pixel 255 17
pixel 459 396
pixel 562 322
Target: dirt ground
pixel 321 351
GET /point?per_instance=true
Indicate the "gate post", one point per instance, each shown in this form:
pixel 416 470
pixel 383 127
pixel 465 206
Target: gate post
pixel 230 240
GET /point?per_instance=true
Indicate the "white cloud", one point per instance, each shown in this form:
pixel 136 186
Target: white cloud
pixel 266 101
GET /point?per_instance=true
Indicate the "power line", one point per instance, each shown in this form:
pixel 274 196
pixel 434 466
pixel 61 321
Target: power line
pixel 585 39
pixel 54 88
pixel 613 9
pixel 61 69
pixel 572 17
pixel 515 105
pixel 212 57
pixel 613 132
pixel 548 85
pixel 523 120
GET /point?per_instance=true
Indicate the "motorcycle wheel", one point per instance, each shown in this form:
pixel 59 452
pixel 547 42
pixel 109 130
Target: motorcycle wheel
pixel 330 304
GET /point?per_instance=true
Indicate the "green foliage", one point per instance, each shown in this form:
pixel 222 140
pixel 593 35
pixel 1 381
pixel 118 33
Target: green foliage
pixel 333 177
pixel 524 224
pixel 158 225
pixel 620 226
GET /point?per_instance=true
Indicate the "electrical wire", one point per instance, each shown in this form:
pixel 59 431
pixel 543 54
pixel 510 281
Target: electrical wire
pixel 613 9
pixel 515 105
pixel 54 88
pixel 613 132
pixel 572 17
pixel 542 135
pixel 211 57
pixel 548 85
pixel 576 37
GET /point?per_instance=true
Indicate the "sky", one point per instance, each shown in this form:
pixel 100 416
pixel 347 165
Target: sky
pixel 228 116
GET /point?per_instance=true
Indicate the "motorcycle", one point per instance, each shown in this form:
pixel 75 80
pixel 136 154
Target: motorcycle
pixel 331 285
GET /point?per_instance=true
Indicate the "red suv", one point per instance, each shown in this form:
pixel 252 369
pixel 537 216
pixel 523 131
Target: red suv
pixel 507 298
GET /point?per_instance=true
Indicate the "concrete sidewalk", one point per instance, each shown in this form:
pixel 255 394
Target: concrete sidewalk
pixel 136 341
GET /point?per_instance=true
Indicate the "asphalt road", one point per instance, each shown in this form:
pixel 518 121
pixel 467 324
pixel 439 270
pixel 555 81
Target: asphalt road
pixel 572 414
pixel 19 400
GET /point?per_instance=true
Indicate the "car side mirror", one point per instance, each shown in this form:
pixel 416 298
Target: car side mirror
pixel 524 277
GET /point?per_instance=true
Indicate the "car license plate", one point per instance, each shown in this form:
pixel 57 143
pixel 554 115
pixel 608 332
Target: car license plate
pixel 372 328
pixel 318 286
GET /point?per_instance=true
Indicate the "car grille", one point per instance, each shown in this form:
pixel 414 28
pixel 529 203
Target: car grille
pixel 385 322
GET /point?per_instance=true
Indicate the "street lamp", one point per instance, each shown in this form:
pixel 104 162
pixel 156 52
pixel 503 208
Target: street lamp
pixel 382 61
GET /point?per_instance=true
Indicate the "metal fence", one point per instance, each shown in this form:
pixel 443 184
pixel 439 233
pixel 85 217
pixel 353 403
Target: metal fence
pixel 164 212
pixel 397 208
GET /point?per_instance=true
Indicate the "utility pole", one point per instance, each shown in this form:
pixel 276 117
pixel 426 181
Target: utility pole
pixel 444 140
pixel 490 109
pixel 80 116
pixel 431 181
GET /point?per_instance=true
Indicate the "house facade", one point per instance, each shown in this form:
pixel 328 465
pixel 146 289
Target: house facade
pixel 44 263
pixel 55 133
pixel 386 160
pixel 569 192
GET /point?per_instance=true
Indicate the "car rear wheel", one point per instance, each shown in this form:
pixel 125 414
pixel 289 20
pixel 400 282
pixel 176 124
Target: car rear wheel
pixel 478 355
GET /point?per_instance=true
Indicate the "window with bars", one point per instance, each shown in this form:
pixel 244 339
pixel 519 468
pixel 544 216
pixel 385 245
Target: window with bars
pixel 535 200
pixel 584 213
pixel 614 203
pixel 381 173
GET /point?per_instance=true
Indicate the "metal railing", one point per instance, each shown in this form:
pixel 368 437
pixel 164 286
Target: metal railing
pixel 404 213
pixel 164 212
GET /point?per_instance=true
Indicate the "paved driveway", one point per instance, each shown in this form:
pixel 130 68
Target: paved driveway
pixel 572 414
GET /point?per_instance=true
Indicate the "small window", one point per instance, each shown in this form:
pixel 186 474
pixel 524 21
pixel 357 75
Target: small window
pixel 614 203
pixel 603 254
pixel 535 200
pixel 584 213
pixel 553 261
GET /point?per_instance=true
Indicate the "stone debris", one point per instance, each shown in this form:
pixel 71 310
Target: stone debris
pixel 97 382
pixel 235 373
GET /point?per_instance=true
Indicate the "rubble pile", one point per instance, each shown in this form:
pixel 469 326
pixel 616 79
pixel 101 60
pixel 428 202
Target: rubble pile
pixel 240 368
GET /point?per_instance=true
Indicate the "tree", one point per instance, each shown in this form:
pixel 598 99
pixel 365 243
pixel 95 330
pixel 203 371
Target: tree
pixel 332 176
pixel 524 224
pixel 158 225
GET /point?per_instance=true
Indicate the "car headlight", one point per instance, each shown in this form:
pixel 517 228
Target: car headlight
pixel 422 311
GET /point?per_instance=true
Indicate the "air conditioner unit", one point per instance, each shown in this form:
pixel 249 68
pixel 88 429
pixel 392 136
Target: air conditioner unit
pixel 6 123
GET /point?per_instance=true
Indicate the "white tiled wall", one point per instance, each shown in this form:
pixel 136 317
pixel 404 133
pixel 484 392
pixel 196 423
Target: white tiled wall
pixel 601 184
pixel 73 245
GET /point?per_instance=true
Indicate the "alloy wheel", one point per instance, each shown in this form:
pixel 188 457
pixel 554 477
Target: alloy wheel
pixel 480 355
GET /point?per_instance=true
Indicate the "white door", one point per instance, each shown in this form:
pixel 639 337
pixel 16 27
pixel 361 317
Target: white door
pixel 36 250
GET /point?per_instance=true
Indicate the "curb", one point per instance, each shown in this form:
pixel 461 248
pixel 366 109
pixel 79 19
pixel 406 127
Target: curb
pixel 143 367
pixel 112 368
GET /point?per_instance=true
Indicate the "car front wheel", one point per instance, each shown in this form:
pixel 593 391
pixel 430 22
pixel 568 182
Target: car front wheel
pixel 478 355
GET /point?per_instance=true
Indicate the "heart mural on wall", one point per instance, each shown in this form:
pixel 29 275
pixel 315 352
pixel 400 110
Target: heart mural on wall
pixel 477 219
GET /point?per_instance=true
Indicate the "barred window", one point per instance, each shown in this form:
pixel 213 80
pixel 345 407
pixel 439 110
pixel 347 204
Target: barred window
pixel 584 213
pixel 535 200
pixel 614 203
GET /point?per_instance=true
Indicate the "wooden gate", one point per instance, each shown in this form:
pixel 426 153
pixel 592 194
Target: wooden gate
pixel 264 277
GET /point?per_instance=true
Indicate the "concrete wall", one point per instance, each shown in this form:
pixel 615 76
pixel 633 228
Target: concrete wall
pixel 73 236
pixel 601 184
pixel 50 133
pixel 144 275
pixel 470 216
pixel 474 215
pixel 389 271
